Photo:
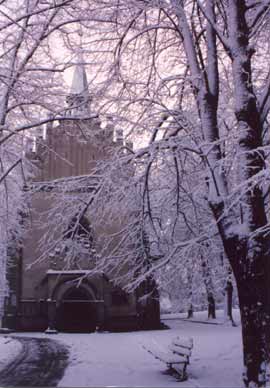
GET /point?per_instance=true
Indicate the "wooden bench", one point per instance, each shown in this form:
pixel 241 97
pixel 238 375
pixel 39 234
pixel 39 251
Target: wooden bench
pixel 175 356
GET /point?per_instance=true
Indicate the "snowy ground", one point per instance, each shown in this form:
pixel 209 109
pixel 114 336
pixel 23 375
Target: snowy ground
pixel 118 359
pixel 9 349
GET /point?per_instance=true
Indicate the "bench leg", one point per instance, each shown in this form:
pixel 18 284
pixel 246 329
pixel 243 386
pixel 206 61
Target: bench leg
pixel 184 373
pixel 180 371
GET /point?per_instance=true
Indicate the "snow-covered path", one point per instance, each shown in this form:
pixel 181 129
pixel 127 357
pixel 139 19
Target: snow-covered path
pixel 40 363
pixel 9 349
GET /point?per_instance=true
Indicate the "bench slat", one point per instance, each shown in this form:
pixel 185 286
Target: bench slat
pixel 167 357
pixel 179 350
pixel 185 343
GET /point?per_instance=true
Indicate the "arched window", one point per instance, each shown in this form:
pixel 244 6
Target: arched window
pixel 80 230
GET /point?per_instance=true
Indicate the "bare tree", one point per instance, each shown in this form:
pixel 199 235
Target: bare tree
pixel 191 79
pixel 195 72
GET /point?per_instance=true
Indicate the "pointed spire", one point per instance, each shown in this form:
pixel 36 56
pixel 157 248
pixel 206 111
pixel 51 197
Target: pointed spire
pixel 79 99
pixel 79 82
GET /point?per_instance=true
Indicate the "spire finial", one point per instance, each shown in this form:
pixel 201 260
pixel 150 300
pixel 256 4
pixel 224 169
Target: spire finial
pixel 80 48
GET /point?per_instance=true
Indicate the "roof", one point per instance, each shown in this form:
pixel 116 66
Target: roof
pixel 80 183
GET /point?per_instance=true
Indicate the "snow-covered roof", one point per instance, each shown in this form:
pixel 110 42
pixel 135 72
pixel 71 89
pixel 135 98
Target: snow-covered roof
pixel 80 183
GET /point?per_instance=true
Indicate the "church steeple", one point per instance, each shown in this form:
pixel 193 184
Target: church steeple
pixel 79 98
pixel 79 82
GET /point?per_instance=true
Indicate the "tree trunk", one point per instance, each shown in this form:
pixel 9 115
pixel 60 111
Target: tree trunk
pixel 207 279
pixel 228 301
pixel 255 318
pixel 190 311
pixel 190 293
pixel 211 307
pixel 251 267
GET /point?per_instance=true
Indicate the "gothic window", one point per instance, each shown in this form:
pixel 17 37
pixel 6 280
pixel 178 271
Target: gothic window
pixel 80 230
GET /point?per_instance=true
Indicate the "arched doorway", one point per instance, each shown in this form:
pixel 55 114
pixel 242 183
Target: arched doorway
pixel 76 312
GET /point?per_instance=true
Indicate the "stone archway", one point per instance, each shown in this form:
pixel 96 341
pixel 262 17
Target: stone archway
pixel 76 311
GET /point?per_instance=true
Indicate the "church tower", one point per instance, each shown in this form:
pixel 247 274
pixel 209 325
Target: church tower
pixel 49 293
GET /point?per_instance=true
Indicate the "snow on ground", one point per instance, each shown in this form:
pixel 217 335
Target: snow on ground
pixel 201 316
pixel 118 359
pixel 9 349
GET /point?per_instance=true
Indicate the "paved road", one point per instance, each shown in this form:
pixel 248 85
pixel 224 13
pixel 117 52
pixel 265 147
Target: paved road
pixel 41 362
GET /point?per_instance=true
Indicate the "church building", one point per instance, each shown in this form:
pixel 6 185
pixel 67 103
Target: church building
pixel 48 295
